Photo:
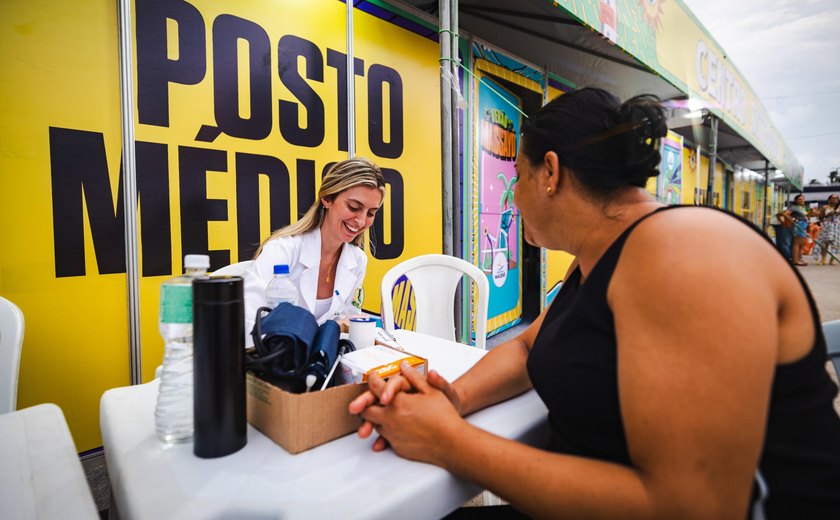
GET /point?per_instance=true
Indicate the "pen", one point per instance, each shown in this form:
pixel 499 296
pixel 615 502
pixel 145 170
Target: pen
pixel 388 335
pixel 392 341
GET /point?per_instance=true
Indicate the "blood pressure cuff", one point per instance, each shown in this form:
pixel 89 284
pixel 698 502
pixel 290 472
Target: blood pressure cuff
pixel 289 346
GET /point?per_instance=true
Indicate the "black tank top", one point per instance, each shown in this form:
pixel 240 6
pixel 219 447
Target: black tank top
pixel 573 367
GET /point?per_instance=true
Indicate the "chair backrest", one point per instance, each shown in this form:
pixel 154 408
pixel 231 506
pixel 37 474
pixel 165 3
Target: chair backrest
pixel 11 341
pixel 552 293
pixel 831 331
pixel 434 279
pixel 237 269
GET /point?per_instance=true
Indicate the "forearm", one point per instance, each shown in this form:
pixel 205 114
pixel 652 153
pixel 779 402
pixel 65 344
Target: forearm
pixel 499 375
pixel 544 484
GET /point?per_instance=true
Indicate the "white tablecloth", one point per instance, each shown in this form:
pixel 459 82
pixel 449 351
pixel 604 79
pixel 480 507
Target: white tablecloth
pixel 40 472
pixel 341 479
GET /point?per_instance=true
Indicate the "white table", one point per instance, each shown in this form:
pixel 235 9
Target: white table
pixel 40 472
pixel 340 479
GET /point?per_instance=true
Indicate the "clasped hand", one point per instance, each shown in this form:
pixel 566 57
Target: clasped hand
pixel 411 413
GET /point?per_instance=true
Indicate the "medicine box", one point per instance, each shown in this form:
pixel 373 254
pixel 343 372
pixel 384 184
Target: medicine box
pixel 355 367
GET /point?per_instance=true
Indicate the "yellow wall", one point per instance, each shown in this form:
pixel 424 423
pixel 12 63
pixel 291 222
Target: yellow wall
pixel 60 70
pixel 747 190
pixel 558 263
pixel 693 179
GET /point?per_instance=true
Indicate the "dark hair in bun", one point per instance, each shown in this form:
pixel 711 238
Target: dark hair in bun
pixel 607 145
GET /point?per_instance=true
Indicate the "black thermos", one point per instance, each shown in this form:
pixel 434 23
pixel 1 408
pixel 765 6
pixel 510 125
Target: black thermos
pixel 219 366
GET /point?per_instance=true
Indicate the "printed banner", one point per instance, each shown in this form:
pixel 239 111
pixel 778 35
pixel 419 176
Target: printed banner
pixel 61 80
pixel 240 108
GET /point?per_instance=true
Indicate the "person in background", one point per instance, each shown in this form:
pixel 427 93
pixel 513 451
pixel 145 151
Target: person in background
pixel 324 248
pixel 829 238
pixel 813 231
pixel 783 228
pixel 678 384
pixel 798 213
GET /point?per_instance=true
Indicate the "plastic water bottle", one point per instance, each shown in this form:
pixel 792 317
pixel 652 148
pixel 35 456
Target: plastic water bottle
pixel 280 289
pixel 174 411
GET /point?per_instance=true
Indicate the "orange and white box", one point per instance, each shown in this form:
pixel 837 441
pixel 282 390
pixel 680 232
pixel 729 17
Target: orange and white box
pixel 356 366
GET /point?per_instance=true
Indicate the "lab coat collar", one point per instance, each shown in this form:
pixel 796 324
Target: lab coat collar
pixel 310 250
pixel 345 276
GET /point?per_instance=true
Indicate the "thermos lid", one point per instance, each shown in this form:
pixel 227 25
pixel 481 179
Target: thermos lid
pixel 218 289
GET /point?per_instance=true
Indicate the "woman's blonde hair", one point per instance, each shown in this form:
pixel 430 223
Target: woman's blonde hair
pixel 344 175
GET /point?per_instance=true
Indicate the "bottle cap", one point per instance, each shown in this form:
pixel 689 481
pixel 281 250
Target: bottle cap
pixel 196 261
pixel 281 269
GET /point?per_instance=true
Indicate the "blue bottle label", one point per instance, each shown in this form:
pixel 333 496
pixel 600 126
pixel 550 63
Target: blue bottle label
pixel 176 304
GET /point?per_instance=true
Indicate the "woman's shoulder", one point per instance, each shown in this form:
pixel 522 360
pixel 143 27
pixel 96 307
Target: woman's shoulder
pixel 699 217
pixel 285 248
pixel 691 247
pixel 695 232
pixel 288 240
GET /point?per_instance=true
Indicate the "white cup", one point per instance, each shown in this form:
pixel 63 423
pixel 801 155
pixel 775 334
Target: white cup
pixel 362 332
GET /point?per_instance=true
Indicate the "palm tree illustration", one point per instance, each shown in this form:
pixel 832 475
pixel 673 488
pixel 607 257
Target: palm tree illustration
pixel 506 198
pixel 506 203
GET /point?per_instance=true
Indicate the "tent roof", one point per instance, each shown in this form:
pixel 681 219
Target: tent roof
pixel 548 36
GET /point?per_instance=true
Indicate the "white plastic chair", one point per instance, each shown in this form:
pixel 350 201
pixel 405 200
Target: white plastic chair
pixel 831 331
pixel 237 269
pixel 434 279
pixel 40 470
pixel 11 341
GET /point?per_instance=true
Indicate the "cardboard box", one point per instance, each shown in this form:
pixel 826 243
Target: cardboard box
pixel 298 422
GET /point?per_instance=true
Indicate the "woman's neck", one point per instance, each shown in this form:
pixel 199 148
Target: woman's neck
pixel 330 248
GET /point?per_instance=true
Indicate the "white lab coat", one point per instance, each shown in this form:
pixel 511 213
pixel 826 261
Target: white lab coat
pixel 303 255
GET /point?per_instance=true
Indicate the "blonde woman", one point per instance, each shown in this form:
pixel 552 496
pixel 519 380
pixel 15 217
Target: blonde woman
pixel 324 248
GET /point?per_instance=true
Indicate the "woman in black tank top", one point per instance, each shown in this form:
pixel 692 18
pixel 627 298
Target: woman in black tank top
pixel 684 377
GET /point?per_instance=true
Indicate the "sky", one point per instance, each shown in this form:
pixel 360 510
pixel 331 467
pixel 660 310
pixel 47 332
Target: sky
pixel 789 53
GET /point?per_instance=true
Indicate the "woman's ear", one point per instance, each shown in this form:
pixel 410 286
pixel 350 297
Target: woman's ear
pixel 326 203
pixel 553 171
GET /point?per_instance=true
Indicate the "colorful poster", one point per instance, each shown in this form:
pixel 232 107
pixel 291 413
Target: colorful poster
pixel 239 108
pixel 670 169
pixel 498 219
